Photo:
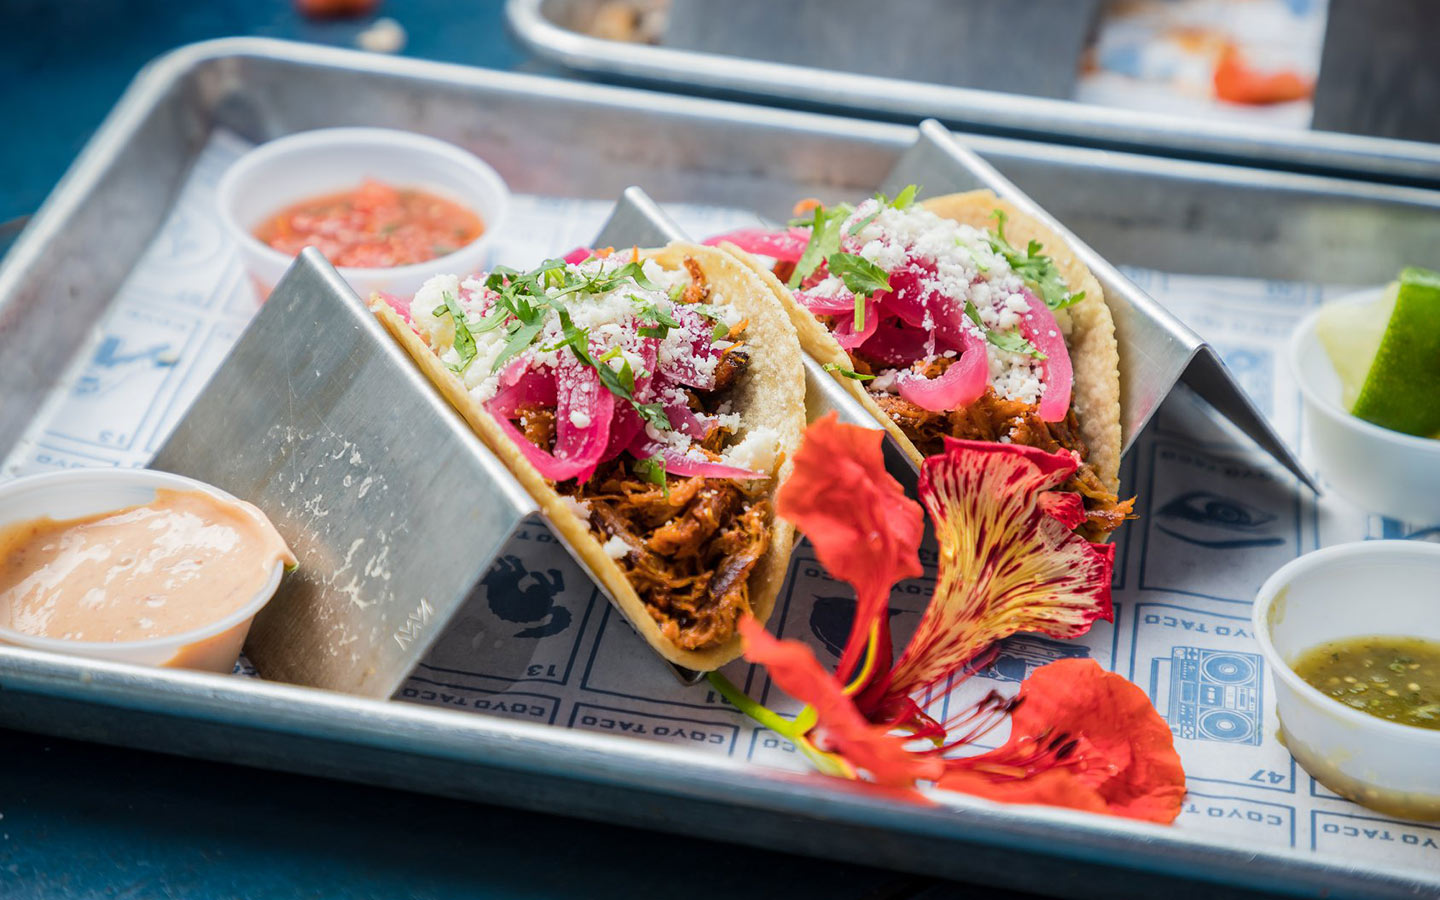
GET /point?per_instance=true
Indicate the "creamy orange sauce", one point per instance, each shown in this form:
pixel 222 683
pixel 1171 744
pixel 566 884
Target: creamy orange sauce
pixel 178 563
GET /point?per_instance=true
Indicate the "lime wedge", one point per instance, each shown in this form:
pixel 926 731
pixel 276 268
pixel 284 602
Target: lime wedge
pixel 1350 334
pixel 1400 385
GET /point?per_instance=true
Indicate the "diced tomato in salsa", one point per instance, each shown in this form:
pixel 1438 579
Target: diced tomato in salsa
pixel 374 226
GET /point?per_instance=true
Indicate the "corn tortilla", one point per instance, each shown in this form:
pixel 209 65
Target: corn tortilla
pixel 1094 355
pixel 770 393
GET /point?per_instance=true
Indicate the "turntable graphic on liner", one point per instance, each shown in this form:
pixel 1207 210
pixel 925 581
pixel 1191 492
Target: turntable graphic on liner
pixel 1210 695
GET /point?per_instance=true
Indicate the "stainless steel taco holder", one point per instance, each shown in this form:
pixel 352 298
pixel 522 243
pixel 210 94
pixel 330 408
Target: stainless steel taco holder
pixel 394 508
pixel 571 139
pixel 1156 349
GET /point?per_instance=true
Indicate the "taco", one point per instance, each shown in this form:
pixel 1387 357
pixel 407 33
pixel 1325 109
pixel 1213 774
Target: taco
pixel 962 317
pixel 650 402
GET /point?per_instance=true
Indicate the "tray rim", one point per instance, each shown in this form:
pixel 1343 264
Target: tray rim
pixel 618 761
pixel 1014 115
pixel 602 758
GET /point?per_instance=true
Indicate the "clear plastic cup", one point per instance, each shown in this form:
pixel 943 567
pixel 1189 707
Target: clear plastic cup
pixel 84 492
pixel 291 169
pixel 1385 588
pixel 1380 470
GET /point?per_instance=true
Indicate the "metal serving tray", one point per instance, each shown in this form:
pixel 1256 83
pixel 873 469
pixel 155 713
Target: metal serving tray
pixel 543 26
pixel 582 140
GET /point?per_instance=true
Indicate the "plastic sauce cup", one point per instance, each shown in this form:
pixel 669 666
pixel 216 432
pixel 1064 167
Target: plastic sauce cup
pixel 85 492
pixel 292 169
pixel 1385 588
pixel 1380 470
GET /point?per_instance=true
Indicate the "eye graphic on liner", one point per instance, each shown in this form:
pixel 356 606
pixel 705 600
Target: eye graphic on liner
pixel 519 595
pixel 1206 519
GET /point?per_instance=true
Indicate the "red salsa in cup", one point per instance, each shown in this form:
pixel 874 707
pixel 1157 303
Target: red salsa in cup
pixel 374 226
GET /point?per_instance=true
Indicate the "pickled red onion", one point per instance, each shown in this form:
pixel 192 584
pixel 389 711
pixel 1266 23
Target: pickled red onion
pixel 530 389
pixel 677 463
pixel 896 345
pixel 401 305
pixel 684 420
pixel 579 449
pixel 958 386
pixel 825 306
pixel 787 246
pixel 846 335
pixel 578 255
pixel 1040 328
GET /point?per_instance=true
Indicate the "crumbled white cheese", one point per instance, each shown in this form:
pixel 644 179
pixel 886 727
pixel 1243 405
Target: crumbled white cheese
pixel 615 548
pixel 611 321
pixel 884 381
pixel 435 329
pixel 756 451
pixel 956 264
pixel 578 507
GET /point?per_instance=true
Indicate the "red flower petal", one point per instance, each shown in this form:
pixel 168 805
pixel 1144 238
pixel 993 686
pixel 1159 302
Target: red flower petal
pixel 868 747
pixel 1083 738
pixel 1009 561
pixel 864 529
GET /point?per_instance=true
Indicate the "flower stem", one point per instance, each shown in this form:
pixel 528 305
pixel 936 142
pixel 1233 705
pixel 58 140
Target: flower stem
pixel 770 719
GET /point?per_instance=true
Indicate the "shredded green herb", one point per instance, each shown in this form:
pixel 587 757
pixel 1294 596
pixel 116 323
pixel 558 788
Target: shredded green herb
pixel 1034 267
pixel 1011 341
pixel 825 226
pixel 464 340
pixel 862 277
pixel 848 373
pixel 653 471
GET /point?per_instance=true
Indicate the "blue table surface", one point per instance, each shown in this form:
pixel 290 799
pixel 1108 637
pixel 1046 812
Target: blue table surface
pixel 80 820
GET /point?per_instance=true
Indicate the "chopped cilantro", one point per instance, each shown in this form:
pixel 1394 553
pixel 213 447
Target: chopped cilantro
pixel 719 332
pixel 858 226
pixel 653 413
pixel 652 313
pixel 661 321
pixel 1013 342
pixel 825 227
pixel 489 322
pixel 521 336
pixel 848 373
pixel 523 301
pixel 1034 267
pixel 624 376
pixel 901 201
pixel 653 471
pixel 464 340
pixel 1010 341
pixel 862 277
pixel 973 314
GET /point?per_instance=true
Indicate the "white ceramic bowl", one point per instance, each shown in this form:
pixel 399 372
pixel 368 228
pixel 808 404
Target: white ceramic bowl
pixel 286 171
pixel 1384 471
pixel 84 492
pixel 1386 588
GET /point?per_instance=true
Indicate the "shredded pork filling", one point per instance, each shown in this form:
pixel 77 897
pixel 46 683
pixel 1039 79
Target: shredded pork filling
pixel 690 554
pixel 691 544
pixel 992 418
